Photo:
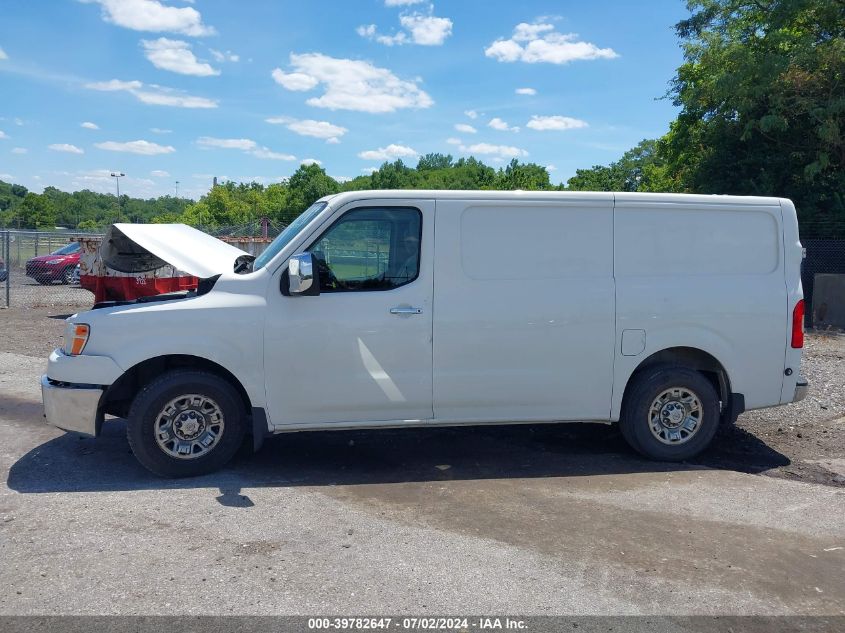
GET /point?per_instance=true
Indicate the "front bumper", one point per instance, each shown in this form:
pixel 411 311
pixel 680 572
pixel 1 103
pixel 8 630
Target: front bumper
pixel 37 270
pixel 72 407
pixel 802 387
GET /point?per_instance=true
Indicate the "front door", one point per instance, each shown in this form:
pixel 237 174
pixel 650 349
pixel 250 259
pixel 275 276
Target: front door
pixel 361 350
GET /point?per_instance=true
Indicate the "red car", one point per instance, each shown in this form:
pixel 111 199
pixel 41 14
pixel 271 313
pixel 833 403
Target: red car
pixel 57 266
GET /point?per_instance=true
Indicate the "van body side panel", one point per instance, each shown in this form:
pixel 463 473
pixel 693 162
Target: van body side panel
pixel 793 257
pixel 524 309
pixel 707 276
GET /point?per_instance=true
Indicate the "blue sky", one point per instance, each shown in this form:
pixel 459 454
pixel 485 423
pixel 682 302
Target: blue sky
pixel 168 90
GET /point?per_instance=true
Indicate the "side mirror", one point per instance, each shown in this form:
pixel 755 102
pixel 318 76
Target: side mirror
pixel 302 278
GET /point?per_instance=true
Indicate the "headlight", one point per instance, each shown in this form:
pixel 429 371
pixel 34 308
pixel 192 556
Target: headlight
pixel 76 338
pixel 54 261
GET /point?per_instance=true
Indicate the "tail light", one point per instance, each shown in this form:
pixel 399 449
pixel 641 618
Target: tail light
pixel 798 325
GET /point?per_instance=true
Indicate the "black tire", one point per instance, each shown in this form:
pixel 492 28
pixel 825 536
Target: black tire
pixel 67 275
pixel 149 404
pixel 645 389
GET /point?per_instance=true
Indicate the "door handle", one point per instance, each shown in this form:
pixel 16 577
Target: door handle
pixel 405 310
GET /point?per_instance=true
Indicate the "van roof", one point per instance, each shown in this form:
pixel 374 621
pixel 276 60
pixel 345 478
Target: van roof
pixel 621 198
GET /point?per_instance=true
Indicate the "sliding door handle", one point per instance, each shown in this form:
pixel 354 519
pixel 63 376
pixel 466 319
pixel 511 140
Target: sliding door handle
pixel 405 310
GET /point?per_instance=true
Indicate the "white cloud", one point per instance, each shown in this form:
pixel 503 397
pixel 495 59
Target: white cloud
pixel 152 94
pixel 526 91
pixel 369 170
pixel 19 150
pixel 425 30
pixel 310 127
pixel 176 56
pixel 500 151
pixel 3 54
pixel 3 134
pixel 401 3
pixel 101 180
pixel 465 128
pixel 551 168
pixel 145 148
pixel 299 82
pixel 7 177
pixel 66 147
pixel 245 145
pixel 159 173
pixel 89 126
pixel 18 121
pixel 389 152
pixel 114 85
pixel 539 42
pixel 544 123
pixel 224 56
pixel 158 130
pixel 351 84
pixel 472 114
pixel 152 15
pixel 498 124
pixel 454 141
pixel 311 161
pixel 370 32
pixel 263 152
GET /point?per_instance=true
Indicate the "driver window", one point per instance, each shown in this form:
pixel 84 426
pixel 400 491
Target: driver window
pixel 373 248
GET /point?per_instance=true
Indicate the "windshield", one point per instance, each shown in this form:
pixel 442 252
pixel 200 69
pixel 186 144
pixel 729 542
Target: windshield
pixel 70 249
pixel 287 235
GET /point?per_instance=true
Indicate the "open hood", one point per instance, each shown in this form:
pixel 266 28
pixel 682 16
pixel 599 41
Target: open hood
pixel 136 248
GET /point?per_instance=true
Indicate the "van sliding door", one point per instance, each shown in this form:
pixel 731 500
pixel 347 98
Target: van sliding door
pixel 524 309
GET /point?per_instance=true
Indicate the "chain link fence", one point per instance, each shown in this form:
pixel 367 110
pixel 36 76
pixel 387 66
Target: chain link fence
pixel 39 269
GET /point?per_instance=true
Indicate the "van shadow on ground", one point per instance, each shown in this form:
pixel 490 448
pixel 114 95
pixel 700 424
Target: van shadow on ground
pixel 73 463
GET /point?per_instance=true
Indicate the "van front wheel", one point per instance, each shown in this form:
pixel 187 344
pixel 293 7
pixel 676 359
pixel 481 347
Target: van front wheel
pixel 670 414
pixel 186 423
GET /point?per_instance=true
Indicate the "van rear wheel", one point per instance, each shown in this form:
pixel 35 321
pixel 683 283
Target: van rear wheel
pixel 186 423
pixel 670 414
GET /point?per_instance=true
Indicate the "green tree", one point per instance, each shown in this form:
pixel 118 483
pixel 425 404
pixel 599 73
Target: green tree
pixel 642 168
pixel 308 184
pixel 434 161
pixel 36 211
pixel 526 176
pixel 762 98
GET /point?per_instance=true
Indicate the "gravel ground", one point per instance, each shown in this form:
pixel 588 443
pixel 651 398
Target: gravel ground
pixel 804 440
pixel 27 293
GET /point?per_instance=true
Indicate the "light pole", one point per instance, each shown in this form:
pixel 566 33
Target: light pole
pixel 117 175
pixel 177 189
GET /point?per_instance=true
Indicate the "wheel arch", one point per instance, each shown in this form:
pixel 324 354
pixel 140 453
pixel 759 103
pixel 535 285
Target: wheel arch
pixel 693 358
pixel 118 397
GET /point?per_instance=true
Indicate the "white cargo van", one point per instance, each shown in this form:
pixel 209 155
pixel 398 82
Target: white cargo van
pixel 665 313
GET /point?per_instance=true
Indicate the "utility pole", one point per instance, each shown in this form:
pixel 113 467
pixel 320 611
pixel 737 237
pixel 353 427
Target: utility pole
pixel 117 175
pixel 177 189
